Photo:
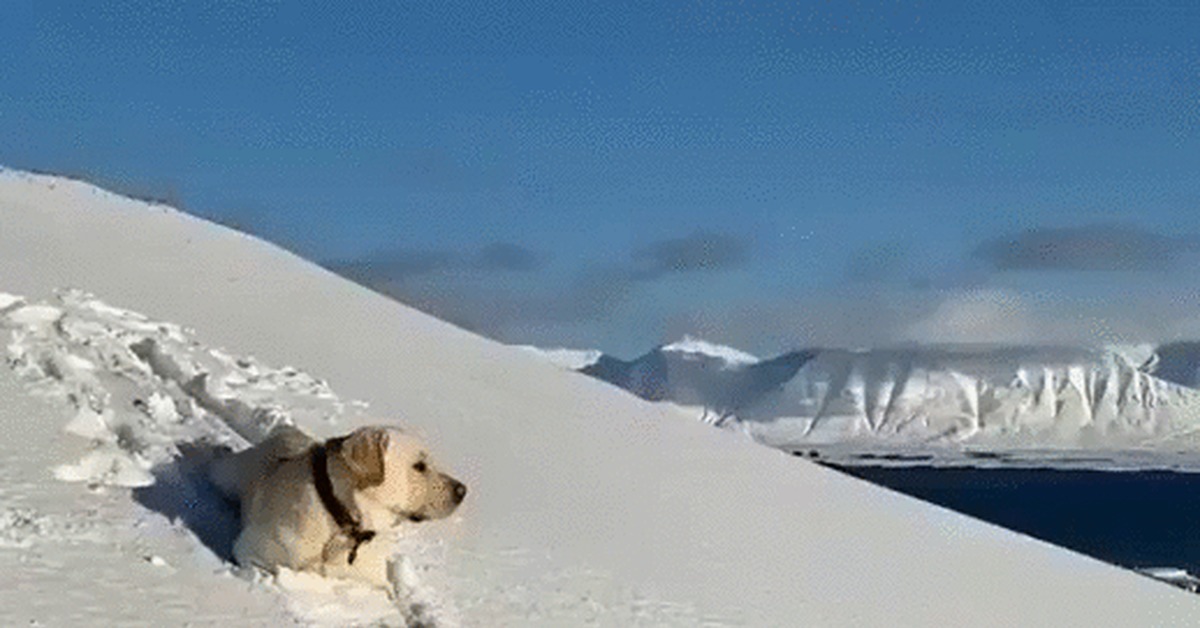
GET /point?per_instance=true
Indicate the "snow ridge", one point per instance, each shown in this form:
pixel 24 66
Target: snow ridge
pixel 691 345
pixel 932 399
pixel 570 359
pixel 1063 397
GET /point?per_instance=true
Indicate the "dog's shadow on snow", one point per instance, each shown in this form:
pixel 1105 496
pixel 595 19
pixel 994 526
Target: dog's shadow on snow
pixel 183 493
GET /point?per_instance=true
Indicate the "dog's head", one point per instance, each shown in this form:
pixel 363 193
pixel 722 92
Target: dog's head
pixel 394 478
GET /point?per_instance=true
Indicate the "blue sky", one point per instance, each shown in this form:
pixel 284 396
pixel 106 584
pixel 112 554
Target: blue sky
pixel 616 174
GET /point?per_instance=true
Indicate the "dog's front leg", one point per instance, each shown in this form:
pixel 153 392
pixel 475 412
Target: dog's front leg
pixel 370 563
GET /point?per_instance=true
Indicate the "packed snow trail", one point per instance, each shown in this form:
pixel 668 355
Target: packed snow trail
pixel 141 387
pixel 76 557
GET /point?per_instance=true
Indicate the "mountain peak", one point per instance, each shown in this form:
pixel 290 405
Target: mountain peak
pixel 693 345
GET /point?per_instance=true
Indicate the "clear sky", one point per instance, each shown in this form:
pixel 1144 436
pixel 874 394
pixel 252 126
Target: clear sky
pixel 615 174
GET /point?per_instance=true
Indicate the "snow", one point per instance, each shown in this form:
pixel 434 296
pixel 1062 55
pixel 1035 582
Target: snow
pixel 696 346
pixel 1011 397
pixel 587 505
pixel 1119 407
pixel 1173 575
pixel 75 557
pixel 9 300
pixel 570 359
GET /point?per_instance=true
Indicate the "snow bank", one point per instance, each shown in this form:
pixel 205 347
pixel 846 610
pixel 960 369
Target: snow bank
pixel 587 504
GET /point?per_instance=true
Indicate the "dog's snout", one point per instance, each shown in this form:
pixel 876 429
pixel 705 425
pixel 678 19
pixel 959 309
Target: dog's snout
pixel 460 491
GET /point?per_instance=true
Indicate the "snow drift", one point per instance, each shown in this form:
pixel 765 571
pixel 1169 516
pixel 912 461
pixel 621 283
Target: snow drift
pixel 588 505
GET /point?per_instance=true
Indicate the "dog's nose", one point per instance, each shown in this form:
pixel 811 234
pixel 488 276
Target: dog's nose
pixel 460 491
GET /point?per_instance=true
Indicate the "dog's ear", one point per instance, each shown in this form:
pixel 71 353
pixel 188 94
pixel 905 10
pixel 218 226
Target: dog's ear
pixel 362 452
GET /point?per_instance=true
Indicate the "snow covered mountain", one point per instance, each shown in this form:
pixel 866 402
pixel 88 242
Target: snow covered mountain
pixel 935 400
pixel 571 359
pixel 1177 362
pixel 133 332
pixel 697 373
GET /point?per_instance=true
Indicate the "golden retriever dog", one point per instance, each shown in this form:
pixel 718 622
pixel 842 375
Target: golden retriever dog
pixel 332 507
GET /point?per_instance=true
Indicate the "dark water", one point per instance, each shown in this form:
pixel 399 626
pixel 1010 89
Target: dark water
pixel 1132 519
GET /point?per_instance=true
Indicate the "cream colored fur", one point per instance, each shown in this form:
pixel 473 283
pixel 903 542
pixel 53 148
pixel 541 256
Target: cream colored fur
pixel 384 477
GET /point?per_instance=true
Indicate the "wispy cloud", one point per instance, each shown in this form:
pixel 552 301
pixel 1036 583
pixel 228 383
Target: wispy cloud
pixel 497 288
pixel 496 305
pixel 506 256
pixel 882 261
pixel 1098 247
pixel 598 291
pixel 968 316
pixel 403 264
pixel 701 252
pixel 393 266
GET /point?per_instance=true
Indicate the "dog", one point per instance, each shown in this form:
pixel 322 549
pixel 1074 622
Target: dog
pixel 331 507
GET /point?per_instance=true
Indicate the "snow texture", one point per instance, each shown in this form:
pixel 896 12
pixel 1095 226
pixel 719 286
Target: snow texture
pixel 154 404
pixel 588 506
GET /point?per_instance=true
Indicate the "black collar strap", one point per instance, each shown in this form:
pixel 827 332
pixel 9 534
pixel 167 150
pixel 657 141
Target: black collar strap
pixel 341 515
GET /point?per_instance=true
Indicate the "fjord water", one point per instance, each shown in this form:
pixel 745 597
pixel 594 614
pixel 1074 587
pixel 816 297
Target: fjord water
pixel 1135 519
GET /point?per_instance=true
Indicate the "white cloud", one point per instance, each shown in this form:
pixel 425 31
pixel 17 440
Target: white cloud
pixel 977 316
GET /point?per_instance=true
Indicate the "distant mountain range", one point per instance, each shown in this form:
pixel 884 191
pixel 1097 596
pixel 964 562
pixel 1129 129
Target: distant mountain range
pixel 930 400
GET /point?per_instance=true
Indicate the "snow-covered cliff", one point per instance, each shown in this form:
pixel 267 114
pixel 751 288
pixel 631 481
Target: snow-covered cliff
pixel 994 398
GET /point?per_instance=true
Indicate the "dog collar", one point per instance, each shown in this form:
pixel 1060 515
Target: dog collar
pixel 349 526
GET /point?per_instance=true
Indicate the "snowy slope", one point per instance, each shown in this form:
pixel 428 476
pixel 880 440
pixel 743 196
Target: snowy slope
pixel 570 359
pixel 587 504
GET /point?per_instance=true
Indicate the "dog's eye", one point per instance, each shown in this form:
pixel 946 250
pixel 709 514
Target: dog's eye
pixel 419 467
